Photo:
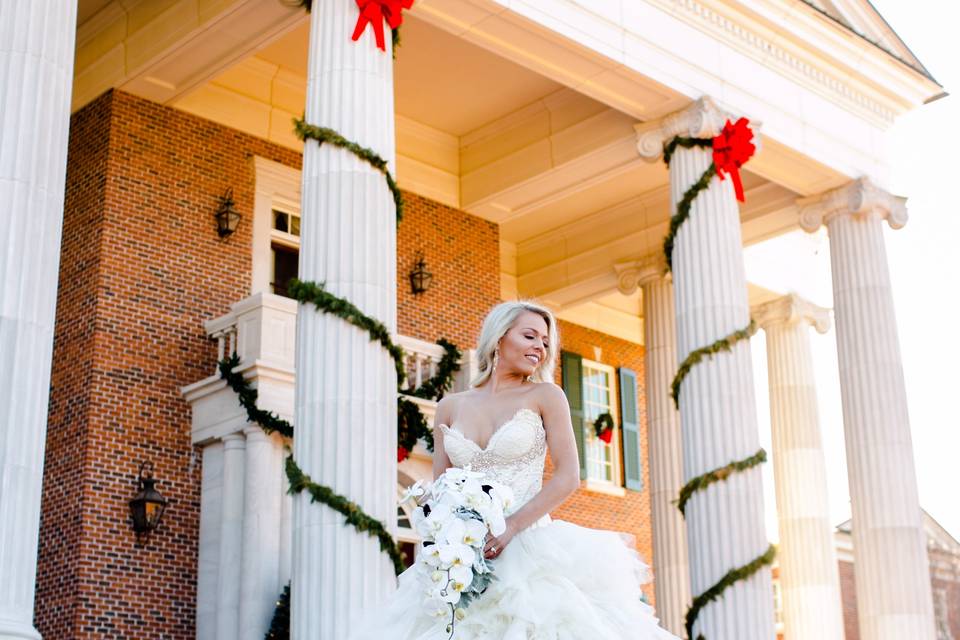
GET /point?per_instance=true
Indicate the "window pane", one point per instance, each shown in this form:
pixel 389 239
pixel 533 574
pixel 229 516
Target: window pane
pixel 284 268
pixel 295 225
pixel 280 221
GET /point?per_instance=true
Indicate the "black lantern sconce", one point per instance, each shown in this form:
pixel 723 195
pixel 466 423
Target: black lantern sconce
pixel 227 217
pixel 420 278
pixel 148 505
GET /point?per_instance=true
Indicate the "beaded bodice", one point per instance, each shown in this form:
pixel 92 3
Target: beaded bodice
pixel 514 456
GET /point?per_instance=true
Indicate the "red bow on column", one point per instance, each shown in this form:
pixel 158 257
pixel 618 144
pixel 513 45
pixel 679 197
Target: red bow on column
pixel 731 149
pixel 374 12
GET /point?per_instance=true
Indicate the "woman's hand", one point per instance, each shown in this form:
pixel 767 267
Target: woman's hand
pixel 496 544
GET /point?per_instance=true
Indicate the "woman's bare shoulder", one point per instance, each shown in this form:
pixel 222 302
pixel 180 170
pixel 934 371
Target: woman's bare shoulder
pixel 549 396
pixel 448 405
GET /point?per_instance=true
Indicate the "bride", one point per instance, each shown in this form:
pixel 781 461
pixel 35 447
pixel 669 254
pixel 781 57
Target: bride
pixel 554 580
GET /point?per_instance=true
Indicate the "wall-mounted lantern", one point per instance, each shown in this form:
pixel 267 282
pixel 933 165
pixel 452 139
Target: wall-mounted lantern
pixel 147 507
pixel 420 278
pixel 227 217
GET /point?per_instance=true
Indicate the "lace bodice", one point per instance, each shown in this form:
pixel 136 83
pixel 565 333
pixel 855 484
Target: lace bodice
pixel 514 456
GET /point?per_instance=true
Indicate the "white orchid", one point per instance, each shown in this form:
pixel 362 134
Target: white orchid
pixel 413 492
pixel 456 554
pixel 462 508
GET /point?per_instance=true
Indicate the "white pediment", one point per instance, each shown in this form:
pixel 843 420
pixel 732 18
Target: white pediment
pixel 863 19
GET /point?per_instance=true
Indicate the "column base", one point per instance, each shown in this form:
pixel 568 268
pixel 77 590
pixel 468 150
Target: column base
pixel 16 630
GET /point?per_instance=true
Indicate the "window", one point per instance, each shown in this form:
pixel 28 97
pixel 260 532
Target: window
pixel 284 249
pixel 599 396
pixel 407 538
pixel 777 604
pixel 941 614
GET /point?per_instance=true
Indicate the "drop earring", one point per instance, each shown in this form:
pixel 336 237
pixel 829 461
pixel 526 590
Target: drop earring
pixel 496 360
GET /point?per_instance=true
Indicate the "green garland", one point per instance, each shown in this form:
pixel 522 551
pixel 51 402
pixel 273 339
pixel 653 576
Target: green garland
pixel 435 387
pixel 300 481
pixel 306 132
pixel 732 576
pixel 603 422
pixel 696 356
pixel 325 301
pixel 268 421
pixel 686 143
pixel 704 480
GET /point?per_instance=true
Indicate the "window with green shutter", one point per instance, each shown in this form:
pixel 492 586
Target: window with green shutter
pixel 630 430
pixel 571 370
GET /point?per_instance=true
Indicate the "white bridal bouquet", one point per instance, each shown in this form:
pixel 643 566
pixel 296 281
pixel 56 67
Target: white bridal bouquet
pixel 454 516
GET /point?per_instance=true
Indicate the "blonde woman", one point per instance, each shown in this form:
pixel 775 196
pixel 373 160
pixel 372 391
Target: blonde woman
pixel 554 580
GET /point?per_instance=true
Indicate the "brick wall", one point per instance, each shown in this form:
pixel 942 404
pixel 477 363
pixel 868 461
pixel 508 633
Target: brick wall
pixel 58 571
pixel 142 267
pixel 463 253
pixel 848 594
pixel 630 514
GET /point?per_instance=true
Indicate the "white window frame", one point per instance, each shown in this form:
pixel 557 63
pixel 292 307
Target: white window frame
pixel 276 186
pixel 592 444
pixel 406 534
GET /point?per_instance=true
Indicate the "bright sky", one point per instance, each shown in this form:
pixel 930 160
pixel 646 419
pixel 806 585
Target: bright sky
pixel 924 260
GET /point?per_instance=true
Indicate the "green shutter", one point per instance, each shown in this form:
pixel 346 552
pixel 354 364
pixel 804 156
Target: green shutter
pixel 630 430
pixel 571 369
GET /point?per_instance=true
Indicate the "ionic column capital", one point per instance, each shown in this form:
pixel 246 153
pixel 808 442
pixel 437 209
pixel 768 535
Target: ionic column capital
pixel 858 198
pixel 791 309
pixel 636 273
pixel 704 118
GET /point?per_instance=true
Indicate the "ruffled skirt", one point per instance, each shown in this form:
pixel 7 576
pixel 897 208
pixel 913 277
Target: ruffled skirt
pixel 555 581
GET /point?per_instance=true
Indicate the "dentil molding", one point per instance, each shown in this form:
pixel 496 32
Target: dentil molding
pixel 858 198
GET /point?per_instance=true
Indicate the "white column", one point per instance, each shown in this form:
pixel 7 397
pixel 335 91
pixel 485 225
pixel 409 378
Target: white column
pixel 208 549
pixel 286 528
pixel 36 71
pixel 671 567
pixel 891 566
pixel 346 385
pixel 259 566
pixel 231 538
pixel 725 526
pixel 809 579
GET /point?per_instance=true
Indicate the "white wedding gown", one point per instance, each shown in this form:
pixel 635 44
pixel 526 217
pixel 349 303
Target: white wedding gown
pixel 554 581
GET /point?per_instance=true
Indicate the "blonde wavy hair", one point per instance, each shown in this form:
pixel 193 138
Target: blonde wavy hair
pixel 500 319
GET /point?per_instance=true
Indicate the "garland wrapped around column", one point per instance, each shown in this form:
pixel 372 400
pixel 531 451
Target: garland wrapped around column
pixel 731 149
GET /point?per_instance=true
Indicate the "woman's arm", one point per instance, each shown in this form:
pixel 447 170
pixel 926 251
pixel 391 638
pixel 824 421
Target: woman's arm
pixel 443 416
pixel 563 452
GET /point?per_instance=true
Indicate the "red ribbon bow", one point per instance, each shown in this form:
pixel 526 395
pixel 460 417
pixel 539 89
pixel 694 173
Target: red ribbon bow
pixel 731 149
pixel 374 12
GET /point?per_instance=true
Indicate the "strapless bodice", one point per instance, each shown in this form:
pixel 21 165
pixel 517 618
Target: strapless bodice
pixel 514 456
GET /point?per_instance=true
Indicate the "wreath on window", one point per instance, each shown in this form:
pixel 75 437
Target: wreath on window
pixel 603 425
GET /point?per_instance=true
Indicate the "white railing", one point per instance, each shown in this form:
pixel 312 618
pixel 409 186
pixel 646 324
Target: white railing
pixel 263 328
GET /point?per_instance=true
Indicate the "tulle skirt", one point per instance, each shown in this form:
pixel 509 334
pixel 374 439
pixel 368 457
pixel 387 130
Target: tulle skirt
pixel 554 581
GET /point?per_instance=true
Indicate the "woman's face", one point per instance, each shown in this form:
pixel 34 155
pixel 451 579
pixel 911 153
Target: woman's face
pixel 524 346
